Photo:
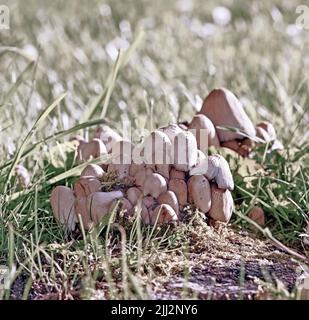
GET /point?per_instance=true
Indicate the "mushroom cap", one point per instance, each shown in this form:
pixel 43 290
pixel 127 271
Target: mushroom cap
pixel 80 206
pixel 223 108
pixel 163 213
pixel 184 151
pixel 86 185
pixel 171 131
pixel 268 128
pixel 154 185
pixel 98 204
pixel 219 169
pixel 141 175
pixel 62 202
pixel 148 201
pixel 222 204
pixel 133 194
pixel 179 187
pixel 108 136
pixel 93 170
pixel 206 134
pixel 257 215
pixel 163 169
pixel 199 192
pixel 89 150
pixel 169 197
pixel 201 166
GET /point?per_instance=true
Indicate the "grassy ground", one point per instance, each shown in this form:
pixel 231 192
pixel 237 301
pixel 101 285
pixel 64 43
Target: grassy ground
pixel 172 56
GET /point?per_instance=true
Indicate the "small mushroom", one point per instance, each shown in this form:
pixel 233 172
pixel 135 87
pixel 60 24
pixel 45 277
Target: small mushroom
pixel 133 194
pixel 222 204
pixel 176 174
pixel 108 136
pixel 257 215
pixel 86 185
pixel 179 187
pixel 206 134
pixel 199 192
pixel 89 150
pixel 164 213
pixel 154 185
pixel 201 166
pixel 93 170
pixel 98 204
pixel 169 197
pixel 62 202
pixel 223 108
pixel 219 169
pixel 171 130
pixel 23 175
pixel 185 151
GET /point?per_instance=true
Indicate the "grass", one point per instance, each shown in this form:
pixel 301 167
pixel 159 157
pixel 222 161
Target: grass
pixel 61 74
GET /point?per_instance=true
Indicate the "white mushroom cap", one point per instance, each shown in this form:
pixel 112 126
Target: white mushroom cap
pixel 62 202
pixel 171 130
pixel 154 185
pixel 93 149
pixel 93 170
pixel 206 134
pixel 223 108
pixel 86 185
pixel 98 204
pixel 199 192
pixel 222 204
pixel 201 166
pixel 219 169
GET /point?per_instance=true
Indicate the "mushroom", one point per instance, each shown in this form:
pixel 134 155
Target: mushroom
pixel 222 204
pixel 80 206
pixel 179 187
pixel 163 169
pixel 108 136
pixel 185 151
pixel 154 185
pixel 257 215
pixel 176 174
pixel 23 175
pixel 206 134
pixel 169 197
pixel 201 166
pixel 266 131
pixel 164 213
pixel 219 169
pixel 199 192
pixel 171 130
pixel 93 170
pixel 223 108
pixel 98 204
pixel 133 194
pixel 148 201
pixel 88 150
pixel 141 175
pixel 86 185
pixel 62 202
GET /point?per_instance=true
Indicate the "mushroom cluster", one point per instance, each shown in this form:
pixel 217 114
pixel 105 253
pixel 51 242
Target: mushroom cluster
pixel 164 174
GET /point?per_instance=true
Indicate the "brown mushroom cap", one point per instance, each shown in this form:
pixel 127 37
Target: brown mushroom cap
pixel 154 185
pixel 179 187
pixel 62 202
pixel 80 206
pixel 98 204
pixel 108 136
pixel 222 204
pixel 163 213
pixel 93 149
pixel 93 170
pixel 169 197
pixel 207 136
pixel 257 215
pixel 86 185
pixel 199 192
pixel 176 174
pixel 223 108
